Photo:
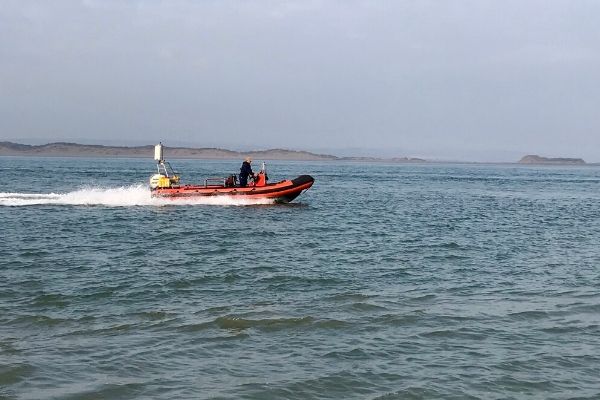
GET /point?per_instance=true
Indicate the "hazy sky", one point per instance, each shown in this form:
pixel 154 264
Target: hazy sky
pixel 448 79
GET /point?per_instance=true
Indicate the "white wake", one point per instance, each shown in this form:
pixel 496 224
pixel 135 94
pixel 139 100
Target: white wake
pixel 128 196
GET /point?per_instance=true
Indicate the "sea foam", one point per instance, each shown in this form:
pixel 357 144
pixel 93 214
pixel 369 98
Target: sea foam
pixel 125 196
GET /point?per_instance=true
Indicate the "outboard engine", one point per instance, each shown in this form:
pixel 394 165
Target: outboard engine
pixel 166 175
pixel 159 181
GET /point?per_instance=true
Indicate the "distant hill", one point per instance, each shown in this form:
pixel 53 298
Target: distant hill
pixel 535 159
pixel 62 149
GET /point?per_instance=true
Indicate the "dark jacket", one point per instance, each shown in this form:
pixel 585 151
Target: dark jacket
pixel 246 170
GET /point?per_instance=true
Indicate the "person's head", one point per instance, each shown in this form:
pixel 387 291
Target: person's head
pixel 248 160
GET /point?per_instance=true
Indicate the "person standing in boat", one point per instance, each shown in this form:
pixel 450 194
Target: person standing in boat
pixel 246 171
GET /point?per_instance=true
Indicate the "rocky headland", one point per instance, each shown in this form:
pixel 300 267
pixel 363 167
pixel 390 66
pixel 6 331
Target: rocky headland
pixel 535 159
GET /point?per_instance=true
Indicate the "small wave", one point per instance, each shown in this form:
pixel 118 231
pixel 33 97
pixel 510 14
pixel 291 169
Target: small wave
pixel 527 315
pixel 411 393
pixel 39 320
pixel 354 354
pixel 195 327
pixel 349 296
pixel 362 306
pixel 51 300
pixel 425 297
pixel 450 245
pixel 235 323
pixel 587 308
pixel 231 322
pixel 112 330
pixel 9 346
pixel 332 324
pixel 154 315
pixel 398 320
pixel 461 333
pixel 295 280
pixel 124 196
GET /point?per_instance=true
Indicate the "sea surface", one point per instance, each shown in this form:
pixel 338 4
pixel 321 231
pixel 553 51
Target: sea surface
pixel 400 281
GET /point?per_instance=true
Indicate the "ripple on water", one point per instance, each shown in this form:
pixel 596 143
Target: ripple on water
pixel 51 300
pixel 365 307
pixel 391 282
pixel 349 296
pixel 299 282
pixel 267 324
pixel 38 321
pixel 529 315
pixel 396 320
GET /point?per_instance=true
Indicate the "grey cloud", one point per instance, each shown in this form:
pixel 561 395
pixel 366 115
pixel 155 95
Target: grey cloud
pixel 430 77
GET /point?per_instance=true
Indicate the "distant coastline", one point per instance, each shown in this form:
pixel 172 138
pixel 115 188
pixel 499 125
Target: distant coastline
pixel 67 149
pixel 64 149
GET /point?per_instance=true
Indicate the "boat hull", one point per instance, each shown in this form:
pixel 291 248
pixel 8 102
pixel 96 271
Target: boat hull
pixel 282 192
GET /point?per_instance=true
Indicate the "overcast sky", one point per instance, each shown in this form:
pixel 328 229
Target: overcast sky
pixel 444 79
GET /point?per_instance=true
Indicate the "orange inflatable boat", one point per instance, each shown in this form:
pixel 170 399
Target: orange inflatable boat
pixel 165 183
